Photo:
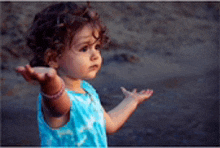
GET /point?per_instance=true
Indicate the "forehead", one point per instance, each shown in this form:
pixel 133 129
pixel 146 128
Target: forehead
pixel 86 33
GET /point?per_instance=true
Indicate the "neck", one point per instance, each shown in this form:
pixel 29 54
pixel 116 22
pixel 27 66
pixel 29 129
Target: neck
pixel 73 84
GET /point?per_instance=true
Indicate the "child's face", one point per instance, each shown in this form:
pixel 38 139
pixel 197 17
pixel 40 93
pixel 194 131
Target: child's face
pixel 83 59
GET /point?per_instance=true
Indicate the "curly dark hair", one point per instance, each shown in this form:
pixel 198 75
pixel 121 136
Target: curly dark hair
pixel 55 26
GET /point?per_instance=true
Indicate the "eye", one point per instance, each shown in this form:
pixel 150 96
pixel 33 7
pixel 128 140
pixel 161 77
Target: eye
pixel 98 47
pixel 84 49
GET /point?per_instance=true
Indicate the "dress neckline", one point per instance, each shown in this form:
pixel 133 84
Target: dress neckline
pixel 81 86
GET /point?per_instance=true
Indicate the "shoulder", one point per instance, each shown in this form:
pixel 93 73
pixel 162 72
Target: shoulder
pixel 90 89
pixel 88 86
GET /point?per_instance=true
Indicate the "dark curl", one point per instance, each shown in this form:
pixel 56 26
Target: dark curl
pixel 54 28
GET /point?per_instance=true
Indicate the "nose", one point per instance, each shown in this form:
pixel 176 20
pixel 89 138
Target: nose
pixel 95 54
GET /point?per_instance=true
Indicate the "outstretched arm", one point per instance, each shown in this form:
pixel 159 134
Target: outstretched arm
pixel 50 84
pixel 120 114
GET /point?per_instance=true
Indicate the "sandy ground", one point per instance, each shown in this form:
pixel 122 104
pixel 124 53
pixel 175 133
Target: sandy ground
pixel 172 48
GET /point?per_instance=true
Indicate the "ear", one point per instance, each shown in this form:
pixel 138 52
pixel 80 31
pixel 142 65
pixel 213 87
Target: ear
pixel 51 58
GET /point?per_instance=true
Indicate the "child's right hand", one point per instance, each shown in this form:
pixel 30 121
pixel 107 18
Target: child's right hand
pixel 51 84
pixel 40 74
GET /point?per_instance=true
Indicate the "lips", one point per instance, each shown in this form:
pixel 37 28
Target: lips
pixel 94 67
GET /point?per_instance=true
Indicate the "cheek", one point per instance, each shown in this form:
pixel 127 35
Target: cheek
pixel 66 64
pixel 102 61
pixel 79 64
pixel 100 58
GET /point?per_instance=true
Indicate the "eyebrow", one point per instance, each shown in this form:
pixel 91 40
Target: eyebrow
pixel 78 43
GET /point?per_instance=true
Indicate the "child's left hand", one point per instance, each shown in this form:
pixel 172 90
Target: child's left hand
pixel 139 97
pixel 116 117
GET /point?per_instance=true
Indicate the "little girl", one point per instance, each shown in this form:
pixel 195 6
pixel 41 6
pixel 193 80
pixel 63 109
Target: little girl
pixel 66 40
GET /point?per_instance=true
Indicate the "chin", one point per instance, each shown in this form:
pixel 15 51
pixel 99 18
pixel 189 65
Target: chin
pixel 90 77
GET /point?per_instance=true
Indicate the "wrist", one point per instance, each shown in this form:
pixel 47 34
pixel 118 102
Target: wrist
pixel 132 100
pixel 57 95
pixel 53 86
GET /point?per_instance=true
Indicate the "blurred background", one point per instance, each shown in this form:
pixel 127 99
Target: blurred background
pixel 170 47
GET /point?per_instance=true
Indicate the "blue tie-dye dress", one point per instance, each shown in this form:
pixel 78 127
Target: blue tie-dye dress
pixel 86 126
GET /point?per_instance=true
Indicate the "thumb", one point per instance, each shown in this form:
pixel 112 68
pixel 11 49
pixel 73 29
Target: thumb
pixel 50 74
pixel 125 92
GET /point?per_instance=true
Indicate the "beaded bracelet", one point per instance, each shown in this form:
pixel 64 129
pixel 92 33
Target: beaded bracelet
pixel 57 95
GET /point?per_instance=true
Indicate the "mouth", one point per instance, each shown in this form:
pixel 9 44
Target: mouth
pixel 94 67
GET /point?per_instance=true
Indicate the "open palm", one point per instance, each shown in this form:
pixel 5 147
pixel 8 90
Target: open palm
pixel 40 74
pixel 137 96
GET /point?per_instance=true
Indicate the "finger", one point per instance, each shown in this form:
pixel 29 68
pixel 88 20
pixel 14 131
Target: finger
pixel 39 76
pixel 19 69
pixel 146 91
pixel 149 92
pixel 123 89
pixel 50 74
pixel 125 92
pixel 28 71
pixel 25 76
pixel 142 92
pixel 134 90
